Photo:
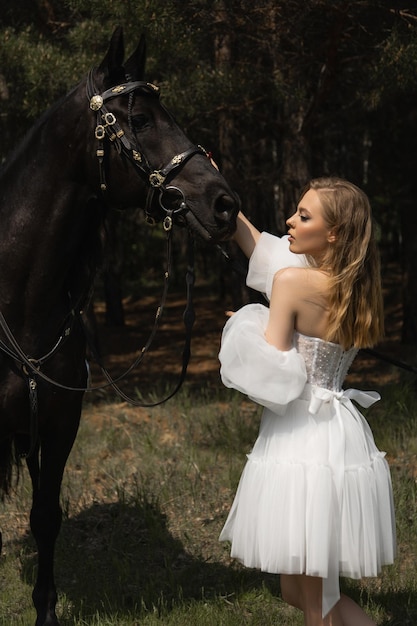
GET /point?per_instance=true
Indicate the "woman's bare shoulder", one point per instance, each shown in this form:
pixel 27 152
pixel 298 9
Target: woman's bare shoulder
pixel 302 284
pixel 301 275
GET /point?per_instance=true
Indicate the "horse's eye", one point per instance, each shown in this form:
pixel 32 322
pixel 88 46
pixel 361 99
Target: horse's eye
pixel 140 121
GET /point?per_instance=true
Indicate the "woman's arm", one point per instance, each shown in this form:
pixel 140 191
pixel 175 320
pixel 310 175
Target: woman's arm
pixel 285 296
pixel 246 235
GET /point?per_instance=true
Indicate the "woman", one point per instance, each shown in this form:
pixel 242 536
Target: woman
pixel 314 501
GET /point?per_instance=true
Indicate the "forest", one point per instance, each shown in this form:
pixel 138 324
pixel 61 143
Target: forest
pixel 278 91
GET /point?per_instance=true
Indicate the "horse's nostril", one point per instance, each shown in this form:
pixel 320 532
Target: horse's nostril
pixel 225 207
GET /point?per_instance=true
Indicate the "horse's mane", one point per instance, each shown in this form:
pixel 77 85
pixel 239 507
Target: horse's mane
pixel 22 144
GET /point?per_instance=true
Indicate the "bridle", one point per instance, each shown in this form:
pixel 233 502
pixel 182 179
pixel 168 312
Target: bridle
pixel 107 125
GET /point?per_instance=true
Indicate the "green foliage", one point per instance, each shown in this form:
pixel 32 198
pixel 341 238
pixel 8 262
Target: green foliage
pixel 395 74
pixel 31 82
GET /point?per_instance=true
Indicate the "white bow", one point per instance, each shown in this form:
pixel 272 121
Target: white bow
pixel 320 395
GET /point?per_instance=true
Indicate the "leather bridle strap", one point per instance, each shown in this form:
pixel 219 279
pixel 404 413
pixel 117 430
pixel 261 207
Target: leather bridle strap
pixel 107 124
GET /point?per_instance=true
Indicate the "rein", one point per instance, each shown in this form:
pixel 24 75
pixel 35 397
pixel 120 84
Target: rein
pixel 188 318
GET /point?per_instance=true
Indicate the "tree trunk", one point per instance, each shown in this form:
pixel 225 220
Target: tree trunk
pixel 409 226
pixel 231 284
pixel 295 169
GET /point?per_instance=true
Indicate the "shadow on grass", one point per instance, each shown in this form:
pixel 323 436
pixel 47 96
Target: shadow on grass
pixel 400 606
pixel 122 559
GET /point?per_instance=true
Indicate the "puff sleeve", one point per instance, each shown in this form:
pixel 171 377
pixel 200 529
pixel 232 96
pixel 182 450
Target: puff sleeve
pixel 270 255
pixel 250 364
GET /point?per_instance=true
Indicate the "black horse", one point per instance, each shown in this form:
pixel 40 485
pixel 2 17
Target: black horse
pixel 109 142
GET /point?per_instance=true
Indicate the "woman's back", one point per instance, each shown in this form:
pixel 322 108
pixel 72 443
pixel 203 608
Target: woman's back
pixel 305 292
pixel 327 363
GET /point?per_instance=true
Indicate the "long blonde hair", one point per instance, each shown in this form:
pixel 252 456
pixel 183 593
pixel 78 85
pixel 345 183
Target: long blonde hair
pixel 356 315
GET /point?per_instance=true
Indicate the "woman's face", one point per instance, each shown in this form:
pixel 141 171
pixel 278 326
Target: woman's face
pixel 308 232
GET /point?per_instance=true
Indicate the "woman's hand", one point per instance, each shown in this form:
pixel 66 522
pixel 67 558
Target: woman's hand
pixel 246 235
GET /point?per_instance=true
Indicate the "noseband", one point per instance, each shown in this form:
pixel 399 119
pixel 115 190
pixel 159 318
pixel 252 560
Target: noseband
pixel 107 125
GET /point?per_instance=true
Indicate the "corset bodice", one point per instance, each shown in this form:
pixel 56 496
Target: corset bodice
pixel 327 363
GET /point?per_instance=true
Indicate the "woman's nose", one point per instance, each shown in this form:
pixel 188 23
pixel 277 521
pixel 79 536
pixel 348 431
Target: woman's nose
pixel 290 222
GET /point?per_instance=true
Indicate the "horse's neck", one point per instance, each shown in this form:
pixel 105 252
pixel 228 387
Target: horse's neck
pixel 44 173
pixel 43 214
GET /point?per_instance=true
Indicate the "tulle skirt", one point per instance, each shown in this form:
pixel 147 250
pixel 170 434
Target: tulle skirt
pixel 315 495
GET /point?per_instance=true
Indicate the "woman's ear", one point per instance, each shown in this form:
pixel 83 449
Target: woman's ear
pixel 331 237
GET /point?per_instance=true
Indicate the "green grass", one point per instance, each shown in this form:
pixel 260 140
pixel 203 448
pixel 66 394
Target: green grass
pixel 145 495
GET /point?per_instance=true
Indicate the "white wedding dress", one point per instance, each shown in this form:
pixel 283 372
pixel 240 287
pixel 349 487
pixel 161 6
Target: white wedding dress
pixel 315 496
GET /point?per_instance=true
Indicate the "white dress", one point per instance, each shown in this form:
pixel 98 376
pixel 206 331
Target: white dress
pixel 315 495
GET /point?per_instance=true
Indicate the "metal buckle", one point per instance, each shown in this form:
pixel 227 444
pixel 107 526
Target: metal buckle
pixel 109 119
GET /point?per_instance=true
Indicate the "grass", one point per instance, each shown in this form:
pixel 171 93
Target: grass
pixel 145 495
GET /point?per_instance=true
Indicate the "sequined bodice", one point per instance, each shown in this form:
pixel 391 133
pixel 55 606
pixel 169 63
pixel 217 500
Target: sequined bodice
pixel 327 363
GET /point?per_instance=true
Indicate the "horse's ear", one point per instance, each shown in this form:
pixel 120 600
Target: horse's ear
pixel 112 65
pixel 135 65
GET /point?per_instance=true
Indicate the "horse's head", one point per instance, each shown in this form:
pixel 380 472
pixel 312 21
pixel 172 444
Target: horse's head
pixel 140 145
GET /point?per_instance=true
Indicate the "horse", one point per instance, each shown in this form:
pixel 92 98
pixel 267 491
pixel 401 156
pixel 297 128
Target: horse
pixel 108 144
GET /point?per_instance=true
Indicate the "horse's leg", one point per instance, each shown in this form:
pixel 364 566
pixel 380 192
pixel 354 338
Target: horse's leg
pixel 46 513
pixel 45 523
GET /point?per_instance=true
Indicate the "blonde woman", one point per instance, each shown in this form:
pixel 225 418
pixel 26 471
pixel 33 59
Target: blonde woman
pixel 314 501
